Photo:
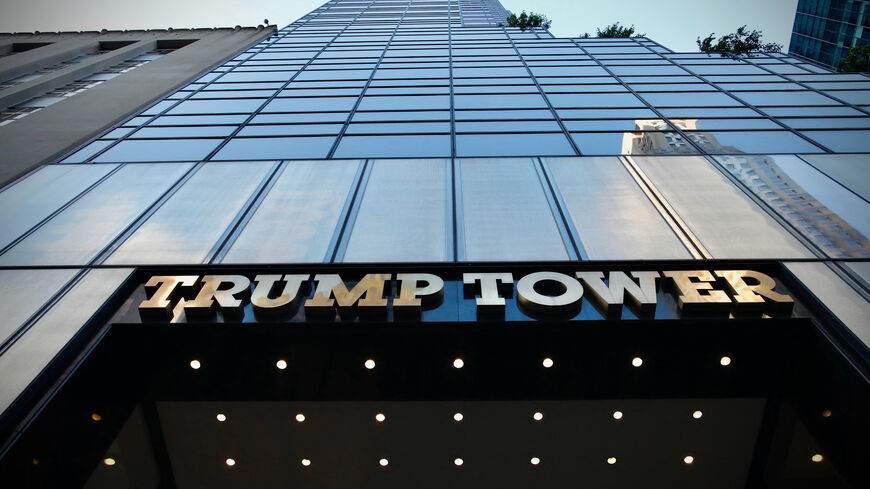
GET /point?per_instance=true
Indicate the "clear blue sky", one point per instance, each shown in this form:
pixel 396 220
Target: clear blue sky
pixel 674 23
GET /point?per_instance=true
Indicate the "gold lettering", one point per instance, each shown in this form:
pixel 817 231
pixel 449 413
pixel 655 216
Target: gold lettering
pixel 566 297
pixel 752 297
pixel 201 306
pixel 690 298
pixel 489 302
pixel 284 303
pixel 412 297
pixel 368 293
pixel 642 295
pixel 159 306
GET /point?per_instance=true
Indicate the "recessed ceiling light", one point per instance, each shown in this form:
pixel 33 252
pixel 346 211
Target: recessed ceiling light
pixel 697 414
pixel 300 417
pixel 230 462
pixel 458 363
pixel 611 460
pixel 96 416
pixel 637 361
pixel 458 417
pixel 380 417
pixel 458 462
pixel 370 364
pixel 281 364
pixel 827 413
pixel 195 364
pixel 384 462
pixel 617 415
pixel 109 461
pixel 221 417
pixel 547 363
pixel 688 459
pixel 306 462
pixel 538 416
pixel 535 461
pixel 817 457
pixel 725 361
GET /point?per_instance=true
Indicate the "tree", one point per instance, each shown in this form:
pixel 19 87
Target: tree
pixel 531 20
pixel 740 44
pixel 616 30
pixel 856 60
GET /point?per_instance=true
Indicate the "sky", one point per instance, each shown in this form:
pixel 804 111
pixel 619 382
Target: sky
pixel 673 23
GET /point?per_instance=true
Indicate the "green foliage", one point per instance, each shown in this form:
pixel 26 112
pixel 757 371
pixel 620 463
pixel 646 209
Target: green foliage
pixel 742 43
pixel 528 21
pixel 856 60
pixel 616 30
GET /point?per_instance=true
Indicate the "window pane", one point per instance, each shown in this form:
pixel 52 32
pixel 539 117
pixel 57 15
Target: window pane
pixel 513 144
pixel 852 171
pixel 186 227
pixel 505 213
pixel 612 215
pixel 275 148
pixel 310 195
pixel 160 150
pixel 644 143
pixel 726 222
pixel 403 214
pixel 841 141
pixel 22 292
pixel 394 146
pixel 77 234
pixel 752 142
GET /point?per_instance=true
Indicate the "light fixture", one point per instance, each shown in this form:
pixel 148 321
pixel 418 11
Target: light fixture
pixel 617 415
pixel 535 461
pixel 221 417
pixel 306 462
pixel 281 364
pixel 230 462
pixel 547 363
pixel 458 363
pixel 384 462
pixel 688 459
pixel 538 416
pixel 827 413
pixel 697 414
pixel 96 416
pixel 370 364
pixel 300 417
pixel 725 361
pixel 637 361
pixel 817 457
pixel 195 364
pixel 109 461
pixel 380 417
pixel 458 417
pixel 458 462
pixel 611 460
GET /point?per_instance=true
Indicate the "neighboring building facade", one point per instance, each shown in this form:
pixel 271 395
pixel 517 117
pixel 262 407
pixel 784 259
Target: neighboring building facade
pixel 39 70
pixel 398 245
pixel 825 30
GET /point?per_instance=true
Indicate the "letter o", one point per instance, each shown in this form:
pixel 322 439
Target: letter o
pixel 531 299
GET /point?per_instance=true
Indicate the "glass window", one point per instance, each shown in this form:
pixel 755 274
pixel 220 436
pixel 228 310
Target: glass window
pixel 23 292
pixel 568 71
pixel 851 171
pixel 513 144
pixel 391 128
pixel 246 106
pixel 726 142
pixel 841 141
pixel 531 101
pixel 408 102
pixel 606 113
pixel 503 114
pixel 311 195
pixel 810 111
pixel 275 148
pixel 709 124
pixel 403 214
pixel 615 143
pixel 505 213
pixel 508 126
pixel 695 113
pixel 416 146
pixel 690 99
pixel 187 226
pixel 727 223
pixel 29 201
pixel 613 217
pixel 594 100
pixel 159 150
pixel 75 236
pixel 88 151
pixel 184 120
pixel 183 132
pixel 419 115
pixel 310 104
pixel 802 98
pixel 826 213
pixel 290 129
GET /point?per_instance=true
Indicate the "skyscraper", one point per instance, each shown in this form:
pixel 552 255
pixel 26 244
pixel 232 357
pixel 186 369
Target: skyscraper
pixel 825 30
pixel 397 244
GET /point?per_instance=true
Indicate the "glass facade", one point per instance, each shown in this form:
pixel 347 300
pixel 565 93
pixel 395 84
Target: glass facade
pixel 425 133
pixel 825 30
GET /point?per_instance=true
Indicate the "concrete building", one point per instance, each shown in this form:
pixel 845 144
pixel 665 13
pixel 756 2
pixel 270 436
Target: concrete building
pixel 39 70
pixel 396 244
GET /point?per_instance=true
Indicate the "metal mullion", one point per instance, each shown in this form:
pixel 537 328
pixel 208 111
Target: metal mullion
pixel 368 83
pixel 807 87
pixel 836 180
pixel 179 101
pixel 570 237
pixel 649 106
pixel 753 107
pixel 348 219
pixel 543 95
